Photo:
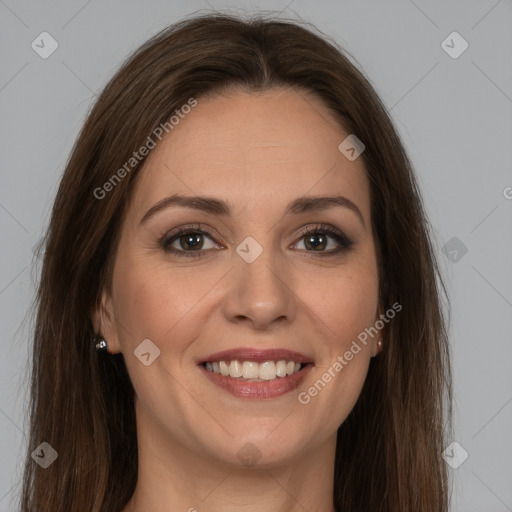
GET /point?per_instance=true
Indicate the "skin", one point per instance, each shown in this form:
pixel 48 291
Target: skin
pixel 258 151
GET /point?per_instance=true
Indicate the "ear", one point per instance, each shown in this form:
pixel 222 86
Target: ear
pixel 376 347
pixel 104 323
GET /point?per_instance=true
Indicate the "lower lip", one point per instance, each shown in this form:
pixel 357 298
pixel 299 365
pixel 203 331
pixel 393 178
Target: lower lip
pixel 267 389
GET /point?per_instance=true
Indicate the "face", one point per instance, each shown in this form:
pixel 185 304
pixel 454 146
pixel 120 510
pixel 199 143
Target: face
pixel 250 275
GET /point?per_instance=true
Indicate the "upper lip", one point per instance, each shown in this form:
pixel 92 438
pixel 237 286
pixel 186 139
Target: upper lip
pixel 257 355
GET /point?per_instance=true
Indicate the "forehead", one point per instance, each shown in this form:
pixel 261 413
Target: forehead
pixel 254 149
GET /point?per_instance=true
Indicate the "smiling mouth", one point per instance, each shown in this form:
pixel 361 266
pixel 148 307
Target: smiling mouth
pixel 272 380
pixel 252 371
pixel 256 373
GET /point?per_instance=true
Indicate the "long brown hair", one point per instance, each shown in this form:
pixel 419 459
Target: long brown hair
pixel 388 455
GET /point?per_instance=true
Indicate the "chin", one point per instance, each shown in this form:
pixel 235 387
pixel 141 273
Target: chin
pixel 259 448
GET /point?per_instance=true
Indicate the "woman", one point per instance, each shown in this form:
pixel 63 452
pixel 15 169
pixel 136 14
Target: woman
pixel 239 304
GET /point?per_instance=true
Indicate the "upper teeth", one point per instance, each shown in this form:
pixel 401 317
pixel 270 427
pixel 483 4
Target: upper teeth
pixel 267 370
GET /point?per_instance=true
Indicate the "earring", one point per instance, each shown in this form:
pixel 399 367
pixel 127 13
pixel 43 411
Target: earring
pixel 101 344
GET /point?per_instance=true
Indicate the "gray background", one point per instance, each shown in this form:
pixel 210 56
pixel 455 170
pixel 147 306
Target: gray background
pixel 455 119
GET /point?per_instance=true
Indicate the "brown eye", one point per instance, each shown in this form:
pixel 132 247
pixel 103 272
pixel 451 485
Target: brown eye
pixel 187 242
pixel 317 239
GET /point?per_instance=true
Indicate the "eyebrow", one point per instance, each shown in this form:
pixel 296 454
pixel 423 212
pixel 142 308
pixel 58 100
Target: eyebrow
pixel 216 206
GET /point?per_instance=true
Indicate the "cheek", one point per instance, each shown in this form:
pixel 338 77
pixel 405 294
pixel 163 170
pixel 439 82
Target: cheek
pixel 155 301
pixel 347 307
pixel 339 376
pixel 345 303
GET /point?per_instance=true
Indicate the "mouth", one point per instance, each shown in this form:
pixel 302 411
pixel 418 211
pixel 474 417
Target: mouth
pixel 251 373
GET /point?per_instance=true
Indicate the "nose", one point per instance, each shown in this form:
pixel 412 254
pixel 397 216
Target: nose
pixel 260 292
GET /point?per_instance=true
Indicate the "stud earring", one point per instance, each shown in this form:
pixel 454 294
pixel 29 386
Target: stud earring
pixel 101 344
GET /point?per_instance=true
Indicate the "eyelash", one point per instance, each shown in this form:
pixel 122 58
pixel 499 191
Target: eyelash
pixel 338 236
